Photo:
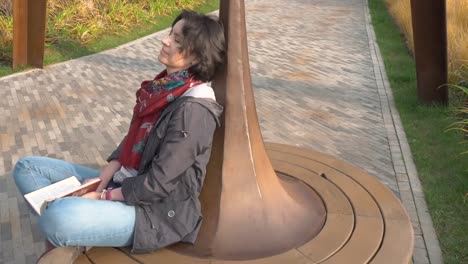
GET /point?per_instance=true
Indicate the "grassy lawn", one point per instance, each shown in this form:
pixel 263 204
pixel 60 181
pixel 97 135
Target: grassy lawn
pixel 70 49
pixel 442 170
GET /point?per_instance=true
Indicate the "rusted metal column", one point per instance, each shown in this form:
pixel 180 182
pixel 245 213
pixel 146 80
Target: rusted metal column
pixel 249 212
pixel 20 33
pixel 37 17
pixel 29 25
pixel 430 48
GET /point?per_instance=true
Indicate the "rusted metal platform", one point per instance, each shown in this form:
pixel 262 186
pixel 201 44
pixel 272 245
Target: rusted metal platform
pixel 365 222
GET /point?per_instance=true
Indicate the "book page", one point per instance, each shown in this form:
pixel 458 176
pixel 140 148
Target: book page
pixel 37 198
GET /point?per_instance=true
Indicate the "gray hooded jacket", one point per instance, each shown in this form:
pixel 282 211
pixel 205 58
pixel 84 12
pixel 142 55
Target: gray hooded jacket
pixel 172 170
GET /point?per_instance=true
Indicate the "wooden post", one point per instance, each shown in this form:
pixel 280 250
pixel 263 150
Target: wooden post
pixel 430 48
pixel 29 24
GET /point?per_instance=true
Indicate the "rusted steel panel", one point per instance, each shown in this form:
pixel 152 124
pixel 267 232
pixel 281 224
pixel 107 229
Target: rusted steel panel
pixel 29 25
pixel 20 32
pixel 430 45
pixel 36 31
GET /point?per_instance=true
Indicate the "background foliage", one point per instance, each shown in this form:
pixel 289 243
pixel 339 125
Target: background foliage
pixel 457 31
pixel 84 21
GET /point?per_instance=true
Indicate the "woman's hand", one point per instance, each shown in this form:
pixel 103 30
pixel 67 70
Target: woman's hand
pixel 92 195
pixel 107 173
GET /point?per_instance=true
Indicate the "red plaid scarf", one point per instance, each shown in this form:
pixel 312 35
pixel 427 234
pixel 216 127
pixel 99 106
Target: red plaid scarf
pixel 152 98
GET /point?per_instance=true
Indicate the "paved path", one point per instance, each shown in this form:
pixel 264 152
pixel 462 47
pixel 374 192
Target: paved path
pixel 319 83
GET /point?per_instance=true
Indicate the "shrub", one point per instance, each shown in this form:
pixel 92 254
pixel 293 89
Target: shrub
pixel 6 37
pixel 6 7
pixel 87 20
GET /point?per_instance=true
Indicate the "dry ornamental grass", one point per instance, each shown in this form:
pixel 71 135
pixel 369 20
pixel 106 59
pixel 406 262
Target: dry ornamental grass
pixel 457 32
pixel 6 28
pixel 6 7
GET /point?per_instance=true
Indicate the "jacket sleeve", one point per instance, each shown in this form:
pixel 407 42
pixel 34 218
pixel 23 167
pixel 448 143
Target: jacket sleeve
pixel 189 132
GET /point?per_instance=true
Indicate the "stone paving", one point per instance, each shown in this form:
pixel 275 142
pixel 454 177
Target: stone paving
pixel 319 83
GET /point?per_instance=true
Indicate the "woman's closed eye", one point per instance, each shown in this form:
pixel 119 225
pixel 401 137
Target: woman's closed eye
pixel 177 39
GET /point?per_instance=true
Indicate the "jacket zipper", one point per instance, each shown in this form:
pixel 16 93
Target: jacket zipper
pixel 184 129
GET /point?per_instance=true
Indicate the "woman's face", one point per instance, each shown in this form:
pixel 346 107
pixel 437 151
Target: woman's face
pixel 170 54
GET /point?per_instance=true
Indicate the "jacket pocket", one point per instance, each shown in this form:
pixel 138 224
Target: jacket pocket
pixel 181 216
pixel 173 221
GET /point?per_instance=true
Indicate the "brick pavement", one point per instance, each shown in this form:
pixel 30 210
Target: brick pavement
pixel 319 83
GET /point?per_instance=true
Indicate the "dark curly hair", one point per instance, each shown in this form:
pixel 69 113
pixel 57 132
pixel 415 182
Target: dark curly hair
pixel 203 38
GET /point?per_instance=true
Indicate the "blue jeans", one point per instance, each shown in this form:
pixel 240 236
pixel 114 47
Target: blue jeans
pixel 75 221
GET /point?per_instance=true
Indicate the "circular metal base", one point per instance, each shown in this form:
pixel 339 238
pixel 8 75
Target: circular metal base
pixel 365 222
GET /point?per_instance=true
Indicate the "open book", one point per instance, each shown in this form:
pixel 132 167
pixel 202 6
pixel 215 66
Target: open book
pixel 68 187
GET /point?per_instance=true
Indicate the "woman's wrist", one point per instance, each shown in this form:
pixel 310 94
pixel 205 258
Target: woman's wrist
pixel 108 195
pixel 116 194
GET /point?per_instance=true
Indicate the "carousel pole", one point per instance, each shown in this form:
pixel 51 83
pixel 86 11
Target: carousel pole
pixel 249 211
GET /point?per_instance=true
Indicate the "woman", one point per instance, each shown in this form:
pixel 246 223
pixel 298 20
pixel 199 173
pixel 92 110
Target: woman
pixel 159 167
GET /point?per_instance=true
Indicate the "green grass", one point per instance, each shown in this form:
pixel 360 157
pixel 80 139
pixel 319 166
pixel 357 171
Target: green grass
pixel 67 49
pixel 441 168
